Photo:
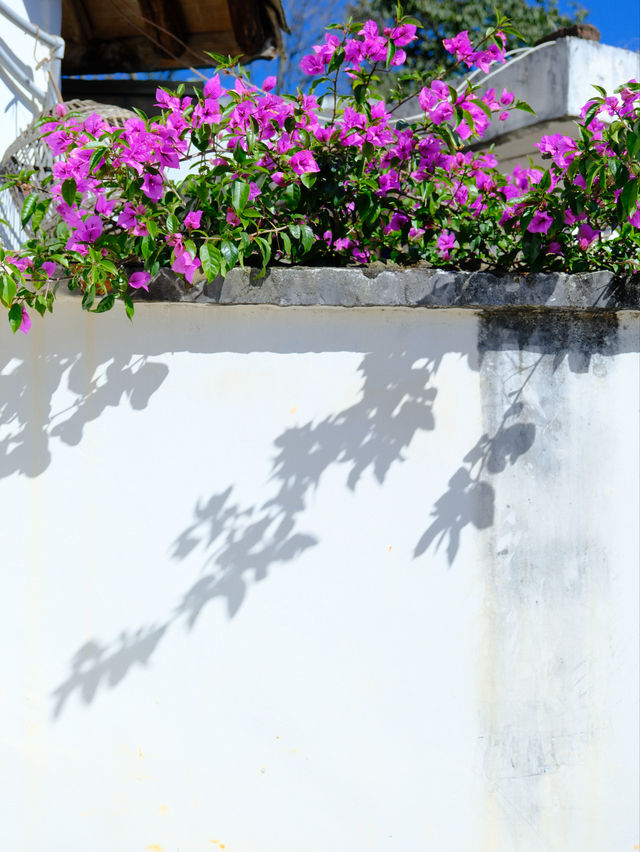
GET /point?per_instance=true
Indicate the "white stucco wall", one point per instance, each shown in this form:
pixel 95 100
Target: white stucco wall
pixel 296 579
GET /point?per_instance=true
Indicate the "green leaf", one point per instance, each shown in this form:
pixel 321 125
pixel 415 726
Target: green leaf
pixel 308 237
pixel 147 245
pixel 591 114
pixel 230 253
pixel 308 179
pixel 286 243
pixel 391 52
pixel 128 305
pixel 265 250
pixel 15 317
pixel 210 258
pixel 628 198
pixel 545 181
pixel 336 60
pixel 96 157
pixel 292 195
pixel 240 195
pixel 294 230
pixel 172 223
pixel 8 288
pixel 524 106
pixel 69 190
pixel 40 304
pixel 41 211
pixel 633 144
pixel 531 246
pixel 89 297
pixel 28 208
pixel 105 304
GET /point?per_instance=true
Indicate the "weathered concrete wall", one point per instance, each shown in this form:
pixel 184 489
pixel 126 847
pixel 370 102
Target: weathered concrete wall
pixel 309 578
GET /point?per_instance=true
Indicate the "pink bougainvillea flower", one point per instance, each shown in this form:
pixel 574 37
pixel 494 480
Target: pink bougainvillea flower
pixel 186 265
pixel 128 217
pixel 402 35
pixel 360 255
pixel 140 280
pixel 555 248
pixel 388 181
pixel 152 186
pixel 507 97
pixel 561 148
pixel 416 234
pixel 396 223
pixel 278 178
pixel 89 230
pixel 312 64
pixel 460 47
pixel 104 207
pixel 445 243
pixel 587 235
pixel 571 218
pixel 540 223
pixel 192 219
pixel 21 263
pixel 48 267
pixel 213 88
pixel 269 83
pixel 634 219
pixel 232 217
pixel 303 163
pixel 58 141
pixel 25 325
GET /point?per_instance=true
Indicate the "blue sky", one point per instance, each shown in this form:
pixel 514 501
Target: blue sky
pixel 617 20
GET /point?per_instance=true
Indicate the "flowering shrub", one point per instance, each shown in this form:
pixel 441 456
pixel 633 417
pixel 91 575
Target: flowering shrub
pixel 334 180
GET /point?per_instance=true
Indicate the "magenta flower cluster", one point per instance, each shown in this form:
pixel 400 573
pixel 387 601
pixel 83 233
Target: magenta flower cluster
pixel 304 179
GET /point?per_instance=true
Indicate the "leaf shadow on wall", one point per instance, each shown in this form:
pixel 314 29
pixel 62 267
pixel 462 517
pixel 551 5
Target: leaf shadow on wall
pixel 237 545
pixel 29 418
pixel 519 356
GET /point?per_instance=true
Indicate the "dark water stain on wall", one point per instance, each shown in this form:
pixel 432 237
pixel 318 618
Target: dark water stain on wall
pixel 545 561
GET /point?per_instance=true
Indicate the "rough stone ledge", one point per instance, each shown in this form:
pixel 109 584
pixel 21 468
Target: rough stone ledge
pixel 380 286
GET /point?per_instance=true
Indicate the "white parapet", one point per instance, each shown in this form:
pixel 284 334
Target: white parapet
pixel 556 79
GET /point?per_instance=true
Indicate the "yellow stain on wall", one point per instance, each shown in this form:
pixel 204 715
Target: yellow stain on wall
pixel 293 410
pixel 217 843
pixel 163 809
pixel 154 847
